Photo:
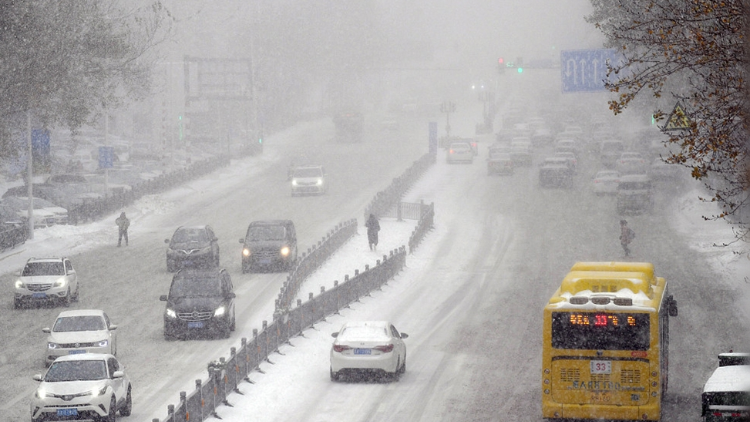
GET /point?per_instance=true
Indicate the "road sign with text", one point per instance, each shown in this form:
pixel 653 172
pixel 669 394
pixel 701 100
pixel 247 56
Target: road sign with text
pixel 586 70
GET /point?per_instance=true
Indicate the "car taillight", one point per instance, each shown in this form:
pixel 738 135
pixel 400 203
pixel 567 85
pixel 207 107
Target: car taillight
pixel 385 349
pixel 450 152
pixel 339 348
pixel 596 181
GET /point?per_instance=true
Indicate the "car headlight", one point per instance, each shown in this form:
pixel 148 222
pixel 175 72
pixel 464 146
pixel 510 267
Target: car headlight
pixel 61 282
pixel 319 182
pixel 219 311
pixel 294 183
pixel 285 251
pixel 41 393
pixel 246 252
pixel 20 284
pixel 99 391
pixel 171 313
pixel 103 343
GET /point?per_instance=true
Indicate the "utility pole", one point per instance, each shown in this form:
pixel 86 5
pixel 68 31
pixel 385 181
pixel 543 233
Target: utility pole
pixel 257 132
pixel 448 107
pixel 106 144
pixel 30 175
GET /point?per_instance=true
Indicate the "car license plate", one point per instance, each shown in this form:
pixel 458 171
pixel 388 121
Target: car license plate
pixel 67 412
pixel 76 352
pixel 265 261
pixel 603 397
pixel 38 295
pixel 362 351
pixel 187 262
pixel 601 367
pixel 195 324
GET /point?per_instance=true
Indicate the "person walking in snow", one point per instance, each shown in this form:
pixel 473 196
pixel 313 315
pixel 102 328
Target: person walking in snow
pixel 122 227
pixel 373 227
pixel 626 236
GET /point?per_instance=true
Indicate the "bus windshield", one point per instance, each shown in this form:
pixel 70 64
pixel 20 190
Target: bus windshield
pixel 600 331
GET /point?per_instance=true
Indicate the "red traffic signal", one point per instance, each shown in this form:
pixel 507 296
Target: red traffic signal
pixel 500 61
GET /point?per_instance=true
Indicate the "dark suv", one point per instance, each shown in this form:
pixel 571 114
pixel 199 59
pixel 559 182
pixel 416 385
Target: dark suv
pixel 192 246
pixel 199 301
pixel 271 245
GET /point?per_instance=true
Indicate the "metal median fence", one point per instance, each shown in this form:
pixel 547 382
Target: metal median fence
pixel 385 200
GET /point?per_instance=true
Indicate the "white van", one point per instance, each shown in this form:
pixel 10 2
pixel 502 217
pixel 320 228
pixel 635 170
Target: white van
pixel 726 395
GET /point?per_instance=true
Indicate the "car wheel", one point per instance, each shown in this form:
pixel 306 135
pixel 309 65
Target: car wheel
pixel 403 367
pixel 234 322
pixel 244 268
pixel 112 410
pixel 168 336
pixel 75 297
pixel 128 406
pixel 226 331
pixel 217 261
pixel 171 267
pixel 16 304
pixel 334 375
pixel 66 299
pixel 394 375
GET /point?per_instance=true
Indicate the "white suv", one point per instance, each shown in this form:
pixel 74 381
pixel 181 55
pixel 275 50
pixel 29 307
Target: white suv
pixel 46 279
pixel 80 331
pixel 89 387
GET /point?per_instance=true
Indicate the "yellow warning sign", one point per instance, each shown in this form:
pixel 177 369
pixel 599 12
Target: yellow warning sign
pixel 678 119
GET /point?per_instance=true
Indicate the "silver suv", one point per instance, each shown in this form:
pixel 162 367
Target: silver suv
pixel 46 280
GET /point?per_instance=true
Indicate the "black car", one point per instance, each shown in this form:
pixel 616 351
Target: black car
pixel 192 246
pixel 199 301
pixel 270 245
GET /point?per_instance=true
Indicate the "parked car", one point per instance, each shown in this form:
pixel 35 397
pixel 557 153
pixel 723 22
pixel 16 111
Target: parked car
pixel 45 213
pixel 726 394
pixel 82 387
pixel 499 163
pixel 192 246
pixel 459 152
pixel 631 163
pixel 555 172
pixel 606 182
pixel 269 244
pixel 368 347
pixel 199 301
pixel 80 331
pixel 46 280
pixel 309 180
pixel 634 194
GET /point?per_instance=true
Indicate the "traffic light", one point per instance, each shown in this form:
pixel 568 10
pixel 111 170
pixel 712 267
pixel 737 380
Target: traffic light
pixel 519 64
pixel 500 65
pixel 520 69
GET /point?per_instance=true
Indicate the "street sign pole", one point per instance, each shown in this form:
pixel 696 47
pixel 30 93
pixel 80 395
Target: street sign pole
pixel 106 144
pixel 30 175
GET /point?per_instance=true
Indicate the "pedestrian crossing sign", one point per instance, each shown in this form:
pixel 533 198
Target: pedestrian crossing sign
pixel 678 119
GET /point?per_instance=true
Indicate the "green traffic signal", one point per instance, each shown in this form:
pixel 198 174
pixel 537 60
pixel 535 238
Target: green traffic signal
pixel 520 70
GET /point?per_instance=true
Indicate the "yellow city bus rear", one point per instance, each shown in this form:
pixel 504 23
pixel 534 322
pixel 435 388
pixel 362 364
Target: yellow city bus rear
pixel 606 339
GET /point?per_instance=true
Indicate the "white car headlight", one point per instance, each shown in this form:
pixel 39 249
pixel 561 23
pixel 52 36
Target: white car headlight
pixel 246 252
pixel 294 183
pixel 61 282
pixel 171 313
pixel 319 182
pixel 52 346
pixel 20 284
pixel 103 343
pixel 285 251
pixel 99 391
pixel 219 311
pixel 41 393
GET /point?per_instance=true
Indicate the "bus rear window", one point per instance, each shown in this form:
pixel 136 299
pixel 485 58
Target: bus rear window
pixel 600 331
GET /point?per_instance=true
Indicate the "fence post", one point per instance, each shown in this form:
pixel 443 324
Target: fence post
pixel 399 217
pixel 198 385
pixel 183 405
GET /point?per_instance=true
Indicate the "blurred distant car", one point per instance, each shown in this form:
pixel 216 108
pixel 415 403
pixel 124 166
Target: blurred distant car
pixel 610 150
pixel 631 163
pixel 556 173
pixel 296 161
pixel 368 347
pixel 499 163
pixel 521 155
pixel 46 280
pixel 80 331
pixel 542 136
pixel 567 145
pixel 270 245
pixel 521 141
pixel 634 194
pixel 572 161
pixel 309 180
pixel 459 152
pixel 45 213
pixel 82 387
pixel 606 182
pixel 192 246
pixel 659 170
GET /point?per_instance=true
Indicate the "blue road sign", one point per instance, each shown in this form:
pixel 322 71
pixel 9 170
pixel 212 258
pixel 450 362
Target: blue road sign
pixel 106 157
pixel 432 128
pixel 586 70
pixel 40 149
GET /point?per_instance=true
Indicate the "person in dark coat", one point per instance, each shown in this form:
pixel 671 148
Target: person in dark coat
pixel 373 227
pixel 122 227
pixel 626 236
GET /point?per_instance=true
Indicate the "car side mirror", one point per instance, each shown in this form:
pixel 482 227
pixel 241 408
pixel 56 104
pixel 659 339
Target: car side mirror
pixel 334 335
pixel 242 241
pixel 404 335
pixel 37 377
pixel 112 327
pixel 163 298
pixel 118 374
pixel 216 239
pixel 231 295
pixel 46 330
pixel 672 307
pixel 166 240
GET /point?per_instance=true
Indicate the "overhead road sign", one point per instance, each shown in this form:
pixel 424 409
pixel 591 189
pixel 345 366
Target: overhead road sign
pixel 678 119
pixel 586 70
pixel 106 157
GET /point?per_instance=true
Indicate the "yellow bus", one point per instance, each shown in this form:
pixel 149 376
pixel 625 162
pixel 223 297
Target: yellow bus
pixel 606 343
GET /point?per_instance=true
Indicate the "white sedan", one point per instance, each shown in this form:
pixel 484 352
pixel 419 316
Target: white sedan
pixel 606 181
pixel 368 347
pixel 460 152
pixel 80 332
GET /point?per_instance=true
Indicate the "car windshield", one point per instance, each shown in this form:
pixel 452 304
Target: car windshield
pixel 195 287
pixel 261 233
pixel 309 172
pixel 190 236
pixel 79 323
pixel 77 370
pixel 460 147
pixel 363 333
pixel 43 268
pixel 635 185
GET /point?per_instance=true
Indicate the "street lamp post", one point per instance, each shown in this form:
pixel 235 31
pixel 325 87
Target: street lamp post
pixel 448 107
